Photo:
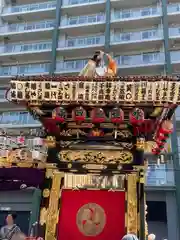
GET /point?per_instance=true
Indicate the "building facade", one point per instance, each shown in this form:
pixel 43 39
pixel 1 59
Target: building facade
pixel 58 37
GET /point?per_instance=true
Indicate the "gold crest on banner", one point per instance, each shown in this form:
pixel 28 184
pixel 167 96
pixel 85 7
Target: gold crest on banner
pixel 91 219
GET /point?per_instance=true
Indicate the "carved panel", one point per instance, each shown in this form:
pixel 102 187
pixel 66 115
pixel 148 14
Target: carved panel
pixel 94 181
pixel 53 210
pixel 132 218
pixel 105 157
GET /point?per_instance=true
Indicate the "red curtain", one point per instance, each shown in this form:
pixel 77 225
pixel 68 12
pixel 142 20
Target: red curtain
pixel 74 216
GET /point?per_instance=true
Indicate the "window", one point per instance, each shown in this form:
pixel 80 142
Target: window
pixel 23 117
pixel 2 93
pixel 98 40
pixel 126 13
pixel 73 2
pixel 79 64
pixel 81 41
pixel 70 65
pixel 73 21
pixel 6 70
pixel 146 12
pixel 148 34
pixel 91 41
pixel 92 19
pixel 71 42
pixel 100 17
pixel 156 211
pixel 125 60
pixel 150 57
pixel 126 37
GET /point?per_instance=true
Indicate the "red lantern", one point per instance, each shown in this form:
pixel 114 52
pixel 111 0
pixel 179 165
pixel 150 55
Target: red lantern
pixel 166 127
pixel 79 114
pixel 117 115
pixel 162 137
pixel 59 114
pixel 156 151
pixel 136 117
pixel 98 115
pixel 160 144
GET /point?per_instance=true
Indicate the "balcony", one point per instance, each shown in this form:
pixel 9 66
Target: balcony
pixel 173 10
pixel 17 119
pixel 146 62
pixel 38 51
pixel 88 44
pixel 128 3
pixel 141 17
pixel 26 69
pixel 177 114
pixel 174 34
pixel 29 11
pixel 76 7
pixel 28 31
pixel 86 24
pixel 175 60
pixel 159 176
pixel 70 66
pixel 2 95
pixel 149 38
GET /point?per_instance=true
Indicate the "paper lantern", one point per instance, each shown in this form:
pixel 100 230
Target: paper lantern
pixel 79 114
pixel 59 114
pixel 117 115
pixel 160 144
pixel 20 140
pixel 136 116
pixel 98 115
pixel 156 151
pixel 166 127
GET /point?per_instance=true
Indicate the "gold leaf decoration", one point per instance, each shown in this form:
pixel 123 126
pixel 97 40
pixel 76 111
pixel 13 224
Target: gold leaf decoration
pixel 94 156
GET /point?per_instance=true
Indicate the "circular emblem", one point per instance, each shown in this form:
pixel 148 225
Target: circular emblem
pixel 91 219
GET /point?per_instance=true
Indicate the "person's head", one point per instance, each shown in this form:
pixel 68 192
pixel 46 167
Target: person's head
pixel 10 218
pixel 151 236
pixel 130 237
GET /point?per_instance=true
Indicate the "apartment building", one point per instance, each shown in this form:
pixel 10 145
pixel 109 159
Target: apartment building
pixel 58 37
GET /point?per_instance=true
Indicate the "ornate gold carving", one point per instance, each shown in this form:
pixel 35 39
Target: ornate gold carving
pixel 140 144
pixel 46 193
pixel 50 141
pixel 43 216
pixel 94 166
pixel 105 157
pixel 94 181
pixel 53 210
pixel 123 133
pixel 91 219
pixel 132 219
pixel 50 168
pixel 73 132
pixel 22 158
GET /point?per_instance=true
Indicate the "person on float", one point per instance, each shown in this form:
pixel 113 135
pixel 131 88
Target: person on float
pixel 11 231
pixel 95 66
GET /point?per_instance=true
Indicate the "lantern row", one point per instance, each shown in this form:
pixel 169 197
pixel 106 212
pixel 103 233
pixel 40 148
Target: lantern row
pixel 97 115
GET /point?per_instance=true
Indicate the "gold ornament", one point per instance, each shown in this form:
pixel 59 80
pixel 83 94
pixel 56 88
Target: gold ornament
pixel 46 193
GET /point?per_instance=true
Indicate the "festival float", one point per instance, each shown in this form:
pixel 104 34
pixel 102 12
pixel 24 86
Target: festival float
pixel 97 127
